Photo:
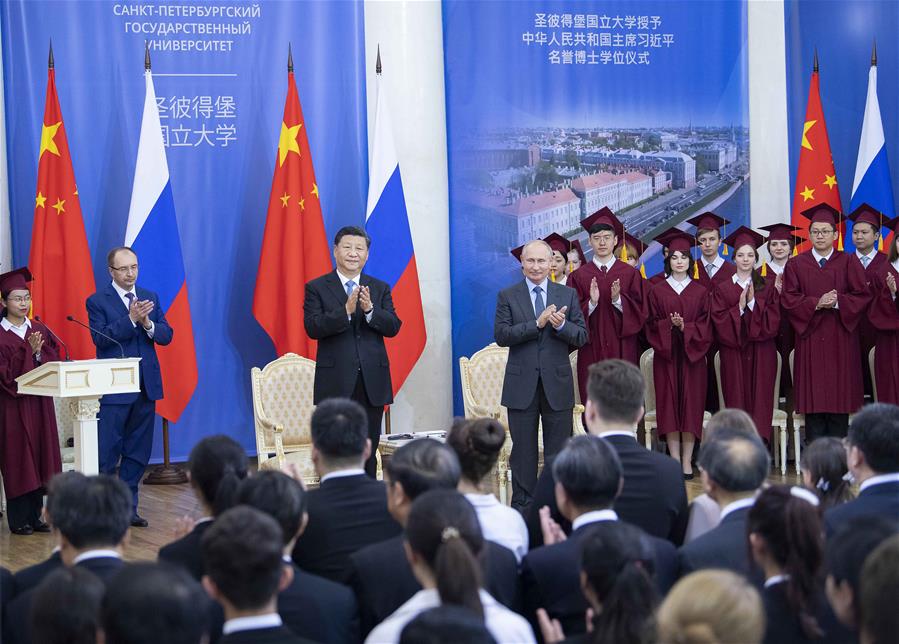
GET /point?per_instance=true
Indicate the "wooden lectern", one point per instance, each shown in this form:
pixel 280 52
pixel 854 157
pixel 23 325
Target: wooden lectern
pixel 82 383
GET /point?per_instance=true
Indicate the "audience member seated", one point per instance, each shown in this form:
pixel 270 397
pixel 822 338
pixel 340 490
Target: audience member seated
pixel 349 510
pixel 733 466
pixel 217 465
pixel 653 497
pixel 705 514
pixel 823 467
pixel 712 607
pixel 447 625
pixel 787 543
pixel 873 459
pixel 477 443
pixel 443 542
pixel 844 557
pixel 414 469
pixel 242 552
pixel 879 589
pixel 66 607
pixel 588 477
pixel 148 603
pixel 311 606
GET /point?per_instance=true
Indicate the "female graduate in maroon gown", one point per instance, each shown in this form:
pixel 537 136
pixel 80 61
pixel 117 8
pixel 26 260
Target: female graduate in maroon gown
pixel 29 443
pixel 884 317
pixel 745 313
pixel 679 331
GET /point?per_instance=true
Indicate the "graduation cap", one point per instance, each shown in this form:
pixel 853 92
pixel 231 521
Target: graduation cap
pixel 558 243
pixel 710 221
pixel 516 252
pixel 677 240
pixel 892 224
pixel 603 216
pixel 16 280
pixel 744 236
pixel 824 213
pixel 576 246
pixel 866 214
pixel 639 248
pixel 783 232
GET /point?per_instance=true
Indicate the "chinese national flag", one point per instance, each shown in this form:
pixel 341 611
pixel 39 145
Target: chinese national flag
pixel 816 179
pixel 60 260
pixel 294 246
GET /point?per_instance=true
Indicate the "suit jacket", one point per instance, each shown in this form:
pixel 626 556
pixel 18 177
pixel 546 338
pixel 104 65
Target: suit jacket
pixel 724 546
pixel 372 565
pixel 653 497
pixel 538 354
pixel 276 635
pixel 345 514
pixel 319 609
pixel 30 577
pixel 550 578
pixel 186 551
pixel 877 500
pixel 348 346
pixel 107 312
pixel 782 624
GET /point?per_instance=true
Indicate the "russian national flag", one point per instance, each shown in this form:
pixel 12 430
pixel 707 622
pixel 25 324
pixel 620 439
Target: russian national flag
pixel 153 234
pixel 872 170
pixel 392 257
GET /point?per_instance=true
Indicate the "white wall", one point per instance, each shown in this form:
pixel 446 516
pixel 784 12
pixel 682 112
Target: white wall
pixel 5 238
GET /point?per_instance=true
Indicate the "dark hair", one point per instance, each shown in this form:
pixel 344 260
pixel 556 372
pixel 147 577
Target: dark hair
pixel 599 228
pixel 875 431
pixel 92 511
pixel 277 495
pixel 825 461
pixel 154 602
pixel 339 429
pixel 893 253
pixel 446 625
pixel 667 263
pixel 352 231
pixel 617 389
pixel 618 564
pixel 217 465
pixel 65 607
pixel 879 583
pixel 242 555
pixel 443 529
pixel 478 444
pixel 110 256
pixel 422 465
pixel 590 472
pixel 734 460
pixel 731 418
pixel 54 489
pixel 791 528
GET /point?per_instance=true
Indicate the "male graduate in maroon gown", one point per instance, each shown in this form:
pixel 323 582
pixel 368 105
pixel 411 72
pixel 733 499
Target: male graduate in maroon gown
pixel 884 316
pixel 29 443
pixel 825 295
pixel 612 296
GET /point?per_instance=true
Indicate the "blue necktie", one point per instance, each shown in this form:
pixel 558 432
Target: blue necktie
pixel 350 285
pixel 538 301
pixel 130 297
pixel 822 262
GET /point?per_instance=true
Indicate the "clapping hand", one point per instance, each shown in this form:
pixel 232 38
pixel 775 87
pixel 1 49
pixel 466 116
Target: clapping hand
pixel 365 299
pixel 545 315
pixel 36 340
pixel 552 531
pixel 891 283
pixel 779 282
pixel 616 290
pixel 557 319
pixel 352 300
pixel 594 292
pixel 677 321
pixel 140 311
pixel 828 300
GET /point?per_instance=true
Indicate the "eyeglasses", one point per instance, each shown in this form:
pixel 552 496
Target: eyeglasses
pixel 819 232
pixel 124 269
pixel 19 299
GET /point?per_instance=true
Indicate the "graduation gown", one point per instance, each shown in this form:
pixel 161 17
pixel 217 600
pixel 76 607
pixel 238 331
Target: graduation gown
pixel 884 318
pixel 784 340
pixel 867 334
pixel 29 442
pixel 826 367
pixel 612 333
pixel 746 343
pixel 679 363
pixel 722 275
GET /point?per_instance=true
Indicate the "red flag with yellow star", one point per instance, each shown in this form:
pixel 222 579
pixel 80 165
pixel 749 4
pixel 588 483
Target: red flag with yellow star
pixel 816 179
pixel 60 259
pixel 294 246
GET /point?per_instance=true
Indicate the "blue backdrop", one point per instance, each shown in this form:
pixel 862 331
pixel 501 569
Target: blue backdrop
pixel 220 77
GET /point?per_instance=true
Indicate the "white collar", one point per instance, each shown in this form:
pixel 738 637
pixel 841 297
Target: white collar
pixel 870 255
pixel 593 517
pixel 479 500
pixel 339 474
pixel 776 268
pixel 739 504
pixel 818 256
pixel 896 264
pixel 344 279
pixel 736 280
pixel 255 622
pixel 619 432
pixel 96 554
pixel 607 265
pixel 678 286
pixel 532 286
pixel 203 520
pixel 122 292
pixel 562 280
pixel 9 326
pixel 718 262
pixel 878 480
pixel 776 579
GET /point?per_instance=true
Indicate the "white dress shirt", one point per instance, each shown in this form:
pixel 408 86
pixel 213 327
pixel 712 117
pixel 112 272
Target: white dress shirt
pixel 878 480
pixel 717 263
pixel 775 579
pixel 255 622
pixel 870 257
pixel 21 330
pixel 338 474
pixel 500 523
pixel 592 517
pixel 343 281
pixel 608 266
pixel 123 295
pixel 739 504
pixel 776 268
pixel 96 554
pixel 678 286
pixel 743 285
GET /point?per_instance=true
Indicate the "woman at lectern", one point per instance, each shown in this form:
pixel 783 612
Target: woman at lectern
pixel 29 443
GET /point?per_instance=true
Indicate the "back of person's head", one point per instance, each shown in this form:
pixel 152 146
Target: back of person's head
pixel 711 607
pixel 734 460
pixel 277 495
pixel 824 462
pixel 589 471
pixel 844 557
pixel 147 603
pixel 879 586
pixel 730 418
pixel 340 431
pixel 443 530
pixel 217 464
pixel 422 465
pixel 242 556
pixel 875 433
pixel 616 388
pixel 92 511
pixel 66 606
pixel 617 565
pixel 786 520
pixel 446 625
pixel 477 444
pixel 54 489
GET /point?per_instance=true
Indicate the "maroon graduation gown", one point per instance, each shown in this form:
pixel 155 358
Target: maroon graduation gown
pixel 611 333
pixel 722 275
pixel 826 367
pixel 679 363
pixel 884 317
pixel 867 334
pixel 29 442
pixel 748 351
pixel 784 340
